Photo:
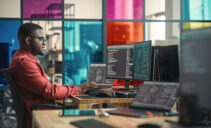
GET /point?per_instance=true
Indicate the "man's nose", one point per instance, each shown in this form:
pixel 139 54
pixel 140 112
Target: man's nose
pixel 44 42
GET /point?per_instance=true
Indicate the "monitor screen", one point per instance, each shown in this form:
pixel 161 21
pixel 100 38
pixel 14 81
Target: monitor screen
pixel 160 95
pixel 97 74
pixel 196 65
pixel 165 63
pixel 120 62
pixel 4 57
pixel 142 61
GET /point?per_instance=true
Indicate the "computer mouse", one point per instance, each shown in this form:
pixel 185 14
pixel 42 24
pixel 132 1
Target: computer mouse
pixel 149 125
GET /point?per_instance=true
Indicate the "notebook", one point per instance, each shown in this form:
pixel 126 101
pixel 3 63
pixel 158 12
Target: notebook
pixel 154 97
pixel 97 74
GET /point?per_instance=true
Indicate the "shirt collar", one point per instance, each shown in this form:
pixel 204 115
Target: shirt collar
pixel 29 54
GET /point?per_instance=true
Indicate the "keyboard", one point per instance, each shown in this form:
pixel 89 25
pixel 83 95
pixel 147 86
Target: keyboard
pixel 128 112
pixel 98 93
pixel 128 94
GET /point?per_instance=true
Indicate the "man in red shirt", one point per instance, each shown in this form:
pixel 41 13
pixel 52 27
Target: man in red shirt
pixel 29 75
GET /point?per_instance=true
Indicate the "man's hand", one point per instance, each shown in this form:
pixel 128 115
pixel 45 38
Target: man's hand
pixel 88 86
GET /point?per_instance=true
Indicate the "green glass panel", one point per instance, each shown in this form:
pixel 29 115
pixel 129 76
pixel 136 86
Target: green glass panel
pixel 197 9
pixel 82 45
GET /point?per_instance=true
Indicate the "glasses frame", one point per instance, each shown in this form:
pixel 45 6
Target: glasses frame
pixel 43 39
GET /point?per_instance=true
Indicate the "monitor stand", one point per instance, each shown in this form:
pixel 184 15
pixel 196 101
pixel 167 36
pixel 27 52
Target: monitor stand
pixel 156 66
pixel 127 84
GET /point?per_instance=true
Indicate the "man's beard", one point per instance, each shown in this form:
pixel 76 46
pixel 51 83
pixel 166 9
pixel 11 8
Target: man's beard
pixel 37 50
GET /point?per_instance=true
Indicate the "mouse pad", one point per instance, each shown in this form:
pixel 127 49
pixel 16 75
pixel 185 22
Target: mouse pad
pixel 91 123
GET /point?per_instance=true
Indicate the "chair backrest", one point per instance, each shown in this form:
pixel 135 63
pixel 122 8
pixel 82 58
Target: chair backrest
pixel 19 104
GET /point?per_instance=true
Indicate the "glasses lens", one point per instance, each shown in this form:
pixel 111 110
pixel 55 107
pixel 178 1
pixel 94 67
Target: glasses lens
pixel 44 39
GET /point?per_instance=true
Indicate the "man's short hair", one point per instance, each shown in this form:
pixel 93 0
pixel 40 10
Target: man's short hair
pixel 27 29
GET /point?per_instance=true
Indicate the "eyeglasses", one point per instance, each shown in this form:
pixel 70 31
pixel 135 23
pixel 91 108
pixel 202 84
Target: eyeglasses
pixel 43 39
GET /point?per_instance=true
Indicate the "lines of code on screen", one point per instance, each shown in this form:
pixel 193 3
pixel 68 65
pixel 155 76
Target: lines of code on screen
pixel 120 62
pixel 142 61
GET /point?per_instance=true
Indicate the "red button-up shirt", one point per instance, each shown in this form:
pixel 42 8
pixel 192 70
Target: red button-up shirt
pixel 33 84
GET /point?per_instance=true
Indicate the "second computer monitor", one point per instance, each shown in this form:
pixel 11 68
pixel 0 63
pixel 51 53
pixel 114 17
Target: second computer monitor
pixel 97 74
pixel 142 61
pixel 120 62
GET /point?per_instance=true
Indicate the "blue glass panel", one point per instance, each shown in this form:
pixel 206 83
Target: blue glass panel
pixel 82 46
pixel 8 43
pixel 197 9
pixel 8 34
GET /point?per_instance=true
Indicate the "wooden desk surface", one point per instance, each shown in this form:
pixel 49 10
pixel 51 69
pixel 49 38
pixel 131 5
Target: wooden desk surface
pixel 84 103
pixel 51 119
pixel 101 100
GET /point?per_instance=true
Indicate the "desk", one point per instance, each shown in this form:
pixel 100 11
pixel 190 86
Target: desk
pixel 87 103
pixel 51 119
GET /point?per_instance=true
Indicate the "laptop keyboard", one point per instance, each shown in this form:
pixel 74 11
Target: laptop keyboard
pixel 129 112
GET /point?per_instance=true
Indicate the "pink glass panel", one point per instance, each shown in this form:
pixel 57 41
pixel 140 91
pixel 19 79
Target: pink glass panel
pixel 42 9
pixel 125 9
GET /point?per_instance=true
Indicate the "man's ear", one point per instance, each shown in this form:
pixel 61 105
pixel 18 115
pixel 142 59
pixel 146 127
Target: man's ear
pixel 27 40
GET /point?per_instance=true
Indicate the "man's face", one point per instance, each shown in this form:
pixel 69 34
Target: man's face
pixel 38 42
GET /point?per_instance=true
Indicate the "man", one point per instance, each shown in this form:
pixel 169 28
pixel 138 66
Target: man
pixel 29 75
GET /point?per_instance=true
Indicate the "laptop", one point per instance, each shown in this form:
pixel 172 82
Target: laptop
pixel 97 74
pixel 155 97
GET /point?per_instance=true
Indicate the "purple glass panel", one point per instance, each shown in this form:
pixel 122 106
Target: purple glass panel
pixel 42 9
pixel 125 9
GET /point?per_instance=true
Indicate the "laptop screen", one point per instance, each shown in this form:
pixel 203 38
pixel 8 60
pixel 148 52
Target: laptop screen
pixel 156 95
pixel 97 74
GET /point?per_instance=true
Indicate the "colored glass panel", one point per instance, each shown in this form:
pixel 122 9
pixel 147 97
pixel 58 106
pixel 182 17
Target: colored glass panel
pixel 196 9
pixel 42 9
pixel 162 33
pixel 81 9
pixel 162 9
pixel 125 9
pixel 10 8
pixel 82 45
pixel 8 34
pixel 196 25
pixel 124 32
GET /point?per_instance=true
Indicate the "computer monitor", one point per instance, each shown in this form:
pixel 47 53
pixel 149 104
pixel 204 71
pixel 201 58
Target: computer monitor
pixel 142 61
pixel 4 58
pixel 97 74
pixel 195 76
pixel 120 63
pixel 165 63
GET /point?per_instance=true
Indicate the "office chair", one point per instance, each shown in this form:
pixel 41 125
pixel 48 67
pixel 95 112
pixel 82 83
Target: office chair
pixel 19 104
